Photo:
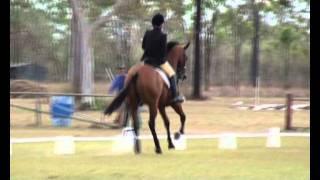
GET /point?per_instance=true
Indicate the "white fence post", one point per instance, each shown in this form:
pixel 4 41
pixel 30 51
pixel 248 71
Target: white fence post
pixel 227 141
pixel 180 143
pixel 273 139
pixel 124 143
pixel 64 145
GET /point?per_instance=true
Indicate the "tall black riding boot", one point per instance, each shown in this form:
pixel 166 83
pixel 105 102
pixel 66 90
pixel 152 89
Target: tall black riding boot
pixel 173 86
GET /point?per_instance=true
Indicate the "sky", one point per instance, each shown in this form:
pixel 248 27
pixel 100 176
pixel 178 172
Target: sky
pixel 269 18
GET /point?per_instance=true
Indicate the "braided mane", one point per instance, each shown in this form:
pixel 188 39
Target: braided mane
pixel 171 45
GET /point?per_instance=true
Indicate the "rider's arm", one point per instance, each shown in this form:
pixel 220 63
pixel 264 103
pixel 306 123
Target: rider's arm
pixel 163 48
pixel 144 41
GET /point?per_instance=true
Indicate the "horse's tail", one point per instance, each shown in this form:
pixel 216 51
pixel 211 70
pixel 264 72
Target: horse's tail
pixel 117 101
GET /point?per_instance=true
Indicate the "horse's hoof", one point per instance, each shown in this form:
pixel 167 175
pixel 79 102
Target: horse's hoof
pixel 158 151
pixel 137 151
pixel 171 146
pixel 176 135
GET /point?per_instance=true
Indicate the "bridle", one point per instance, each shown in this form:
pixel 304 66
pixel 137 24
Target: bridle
pixel 181 69
pixel 181 72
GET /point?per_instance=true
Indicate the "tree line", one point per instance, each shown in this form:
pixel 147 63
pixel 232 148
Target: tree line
pixel 266 40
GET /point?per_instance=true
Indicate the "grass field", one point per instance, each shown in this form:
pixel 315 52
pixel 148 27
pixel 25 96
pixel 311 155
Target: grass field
pixel 202 160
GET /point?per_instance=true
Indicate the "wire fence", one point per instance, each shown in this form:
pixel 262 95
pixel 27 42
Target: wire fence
pixel 39 109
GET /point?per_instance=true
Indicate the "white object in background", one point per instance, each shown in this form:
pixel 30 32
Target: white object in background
pixel 64 145
pixel 238 103
pixel 273 139
pixel 227 141
pixel 124 143
pixel 180 143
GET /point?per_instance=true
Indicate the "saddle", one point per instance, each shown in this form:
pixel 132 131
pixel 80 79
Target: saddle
pixel 163 76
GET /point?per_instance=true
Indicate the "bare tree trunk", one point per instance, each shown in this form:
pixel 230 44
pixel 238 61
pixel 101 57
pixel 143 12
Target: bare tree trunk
pixel 82 53
pixel 86 65
pixel 197 64
pixel 287 68
pixel 71 50
pixel 216 64
pixel 209 49
pixel 207 60
pixel 255 44
pixel 237 53
pixel 237 68
pixel 76 81
pixel 82 59
pixel 83 72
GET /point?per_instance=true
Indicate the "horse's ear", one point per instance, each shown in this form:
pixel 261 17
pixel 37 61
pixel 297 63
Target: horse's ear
pixel 187 45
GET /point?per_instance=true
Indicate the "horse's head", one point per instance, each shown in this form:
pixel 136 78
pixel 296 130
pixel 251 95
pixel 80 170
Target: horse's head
pixel 177 57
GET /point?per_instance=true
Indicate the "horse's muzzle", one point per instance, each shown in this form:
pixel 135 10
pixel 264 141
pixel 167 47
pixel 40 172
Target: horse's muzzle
pixel 182 73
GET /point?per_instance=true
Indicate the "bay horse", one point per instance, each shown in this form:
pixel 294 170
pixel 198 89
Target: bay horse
pixel 143 85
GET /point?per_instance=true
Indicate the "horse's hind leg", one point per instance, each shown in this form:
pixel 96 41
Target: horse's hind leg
pixel 167 125
pixel 178 108
pixel 134 114
pixel 153 115
pixel 135 122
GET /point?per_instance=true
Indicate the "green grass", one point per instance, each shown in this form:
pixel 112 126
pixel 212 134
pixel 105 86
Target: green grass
pixel 201 160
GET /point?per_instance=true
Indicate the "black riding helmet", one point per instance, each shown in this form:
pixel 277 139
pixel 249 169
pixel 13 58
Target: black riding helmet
pixel 157 19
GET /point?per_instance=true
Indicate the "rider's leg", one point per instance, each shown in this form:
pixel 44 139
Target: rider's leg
pixel 173 82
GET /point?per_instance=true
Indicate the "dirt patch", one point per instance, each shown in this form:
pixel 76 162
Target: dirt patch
pixel 26 86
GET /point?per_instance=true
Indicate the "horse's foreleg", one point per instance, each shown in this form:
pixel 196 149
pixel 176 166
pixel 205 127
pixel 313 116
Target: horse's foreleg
pixel 178 109
pixel 167 125
pixel 153 115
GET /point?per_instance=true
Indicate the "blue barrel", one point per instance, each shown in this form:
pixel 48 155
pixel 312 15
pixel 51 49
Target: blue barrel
pixel 62 108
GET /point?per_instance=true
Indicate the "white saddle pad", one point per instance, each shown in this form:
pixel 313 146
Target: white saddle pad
pixel 163 76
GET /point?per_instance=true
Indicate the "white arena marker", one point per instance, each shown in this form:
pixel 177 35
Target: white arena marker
pixel 227 141
pixel 180 143
pixel 273 139
pixel 64 145
pixel 123 144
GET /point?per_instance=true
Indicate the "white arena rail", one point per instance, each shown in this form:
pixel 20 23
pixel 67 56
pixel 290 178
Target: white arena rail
pixel 123 144
pixel 149 137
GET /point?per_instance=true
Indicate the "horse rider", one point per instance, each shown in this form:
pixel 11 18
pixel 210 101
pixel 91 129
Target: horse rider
pixel 116 86
pixel 118 82
pixel 154 44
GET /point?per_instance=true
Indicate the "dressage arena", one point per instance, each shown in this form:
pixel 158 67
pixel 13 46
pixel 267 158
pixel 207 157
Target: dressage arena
pixel 222 142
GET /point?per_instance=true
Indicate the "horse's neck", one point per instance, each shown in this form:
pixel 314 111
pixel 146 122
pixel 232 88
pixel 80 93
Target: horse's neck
pixel 173 62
